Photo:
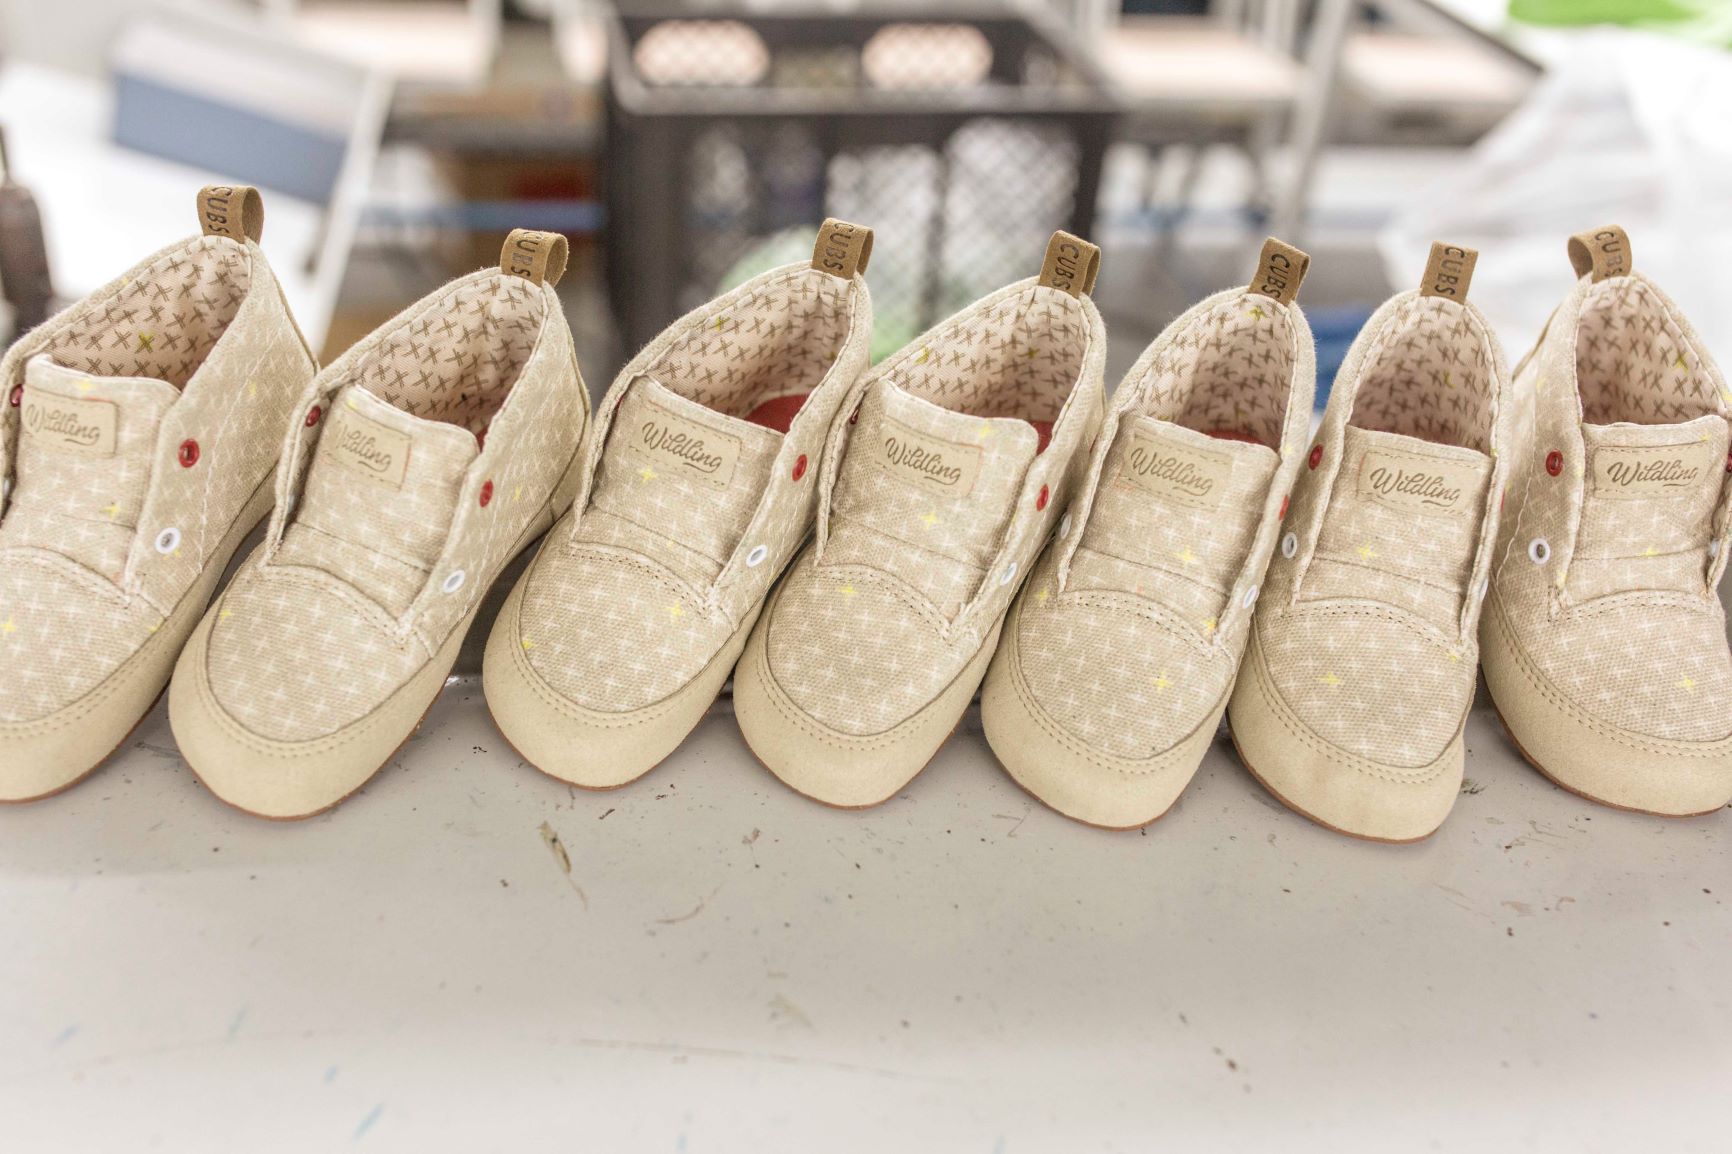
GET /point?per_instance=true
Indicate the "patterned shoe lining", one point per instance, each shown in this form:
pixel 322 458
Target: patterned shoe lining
pixel 1226 374
pixel 1633 362
pixel 773 344
pixel 1017 358
pixel 457 357
pixel 1430 377
pixel 161 324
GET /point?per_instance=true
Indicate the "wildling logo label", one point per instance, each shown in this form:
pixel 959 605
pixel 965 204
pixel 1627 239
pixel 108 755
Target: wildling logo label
pixel 368 447
pixel 1173 472
pixel 1418 484
pixel 684 448
pixel 69 424
pixel 938 466
pixel 1627 472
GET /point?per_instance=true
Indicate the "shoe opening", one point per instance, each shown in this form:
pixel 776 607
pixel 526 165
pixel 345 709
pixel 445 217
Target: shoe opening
pixel 758 355
pixel 163 322
pixel 1226 374
pixel 1430 376
pixel 1634 363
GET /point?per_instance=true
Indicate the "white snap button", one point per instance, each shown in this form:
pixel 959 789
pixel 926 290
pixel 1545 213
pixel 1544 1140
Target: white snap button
pixel 1538 551
pixel 1289 545
pixel 1064 526
pixel 1009 574
pixel 756 557
pixel 1714 547
pixel 1250 597
pixel 168 541
pixel 453 581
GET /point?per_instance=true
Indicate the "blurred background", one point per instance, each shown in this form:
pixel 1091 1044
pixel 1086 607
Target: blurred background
pixel 685 144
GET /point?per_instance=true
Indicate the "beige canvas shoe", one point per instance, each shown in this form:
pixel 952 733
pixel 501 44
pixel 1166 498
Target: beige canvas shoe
pixel 1116 660
pixel 137 439
pixel 700 485
pixel 1604 643
pixel 1361 664
pixel 938 489
pixel 413 470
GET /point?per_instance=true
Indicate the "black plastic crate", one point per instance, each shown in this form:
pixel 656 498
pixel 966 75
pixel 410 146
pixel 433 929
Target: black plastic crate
pixel 963 134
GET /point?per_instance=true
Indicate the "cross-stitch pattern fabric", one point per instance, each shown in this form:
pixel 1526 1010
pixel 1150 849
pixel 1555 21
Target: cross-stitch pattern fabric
pixel 362 578
pixel 192 358
pixel 687 511
pixel 1612 596
pixel 1132 625
pixel 910 571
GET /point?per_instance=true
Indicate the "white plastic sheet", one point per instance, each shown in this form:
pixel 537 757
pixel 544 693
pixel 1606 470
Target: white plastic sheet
pixel 1626 128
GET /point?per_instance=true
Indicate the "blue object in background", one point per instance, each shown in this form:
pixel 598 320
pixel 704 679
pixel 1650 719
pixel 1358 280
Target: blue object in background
pixel 1334 329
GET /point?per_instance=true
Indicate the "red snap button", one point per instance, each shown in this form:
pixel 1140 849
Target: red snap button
pixel 1040 501
pixel 1554 462
pixel 1283 511
pixel 188 454
pixel 854 416
pixel 800 467
pixel 481 439
pixel 17 395
pixel 313 416
pixel 1316 456
pixel 486 493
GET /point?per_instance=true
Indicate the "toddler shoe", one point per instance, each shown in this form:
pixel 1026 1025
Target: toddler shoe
pixel 413 470
pixel 1361 662
pixel 937 490
pixel 137 439
pixel 1117 658
pixel 699 486
pixel 1604 643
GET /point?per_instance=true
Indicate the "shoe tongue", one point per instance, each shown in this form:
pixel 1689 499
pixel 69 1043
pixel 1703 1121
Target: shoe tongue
pixel 1404 519
pixel 1180 508
pixel 379 498
pixel 678 482
pixel 85 450
pixel 1648 505
pixel 925 493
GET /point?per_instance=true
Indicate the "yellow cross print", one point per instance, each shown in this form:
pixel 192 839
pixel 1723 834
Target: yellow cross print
pixel 1454 656
pixel 86 386
pixel 924 354
pixel 1688 685
pixel 1161 682
pixel 113 510
pixel 1257 312
pixel 517 494
pixel 1208 625
pixel 528 644
pixel 848 591
pixel 1040 597
pixel 720 321
pixel 1366 552
pixel 8 626
pixel 1650 551
pixel 145 341
pixel 676 611
pixel 225 613
pixel 931 518
pixel 1329 679
pixel 1032 352
pixel 1186 555
pixel 984 433
pixel 1680 363
pixel 647 473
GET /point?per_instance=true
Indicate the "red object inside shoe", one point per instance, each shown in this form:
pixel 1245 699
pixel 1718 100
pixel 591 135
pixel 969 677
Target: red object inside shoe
pixel 778 412
pixel 1232 435
pixel 1043 430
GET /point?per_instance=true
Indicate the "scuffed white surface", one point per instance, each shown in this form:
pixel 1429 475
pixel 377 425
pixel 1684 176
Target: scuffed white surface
pixel 728 967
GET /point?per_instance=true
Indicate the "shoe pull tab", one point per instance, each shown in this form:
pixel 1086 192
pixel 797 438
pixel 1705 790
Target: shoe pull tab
pixel 1448 271
pixel 1071 264
pixel 537 257
pixel 1604 252
pixel 232 210
pixel 1281 270
pixel 842 249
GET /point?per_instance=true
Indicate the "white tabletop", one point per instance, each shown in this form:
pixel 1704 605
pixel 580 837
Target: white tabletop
pixel 729 967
